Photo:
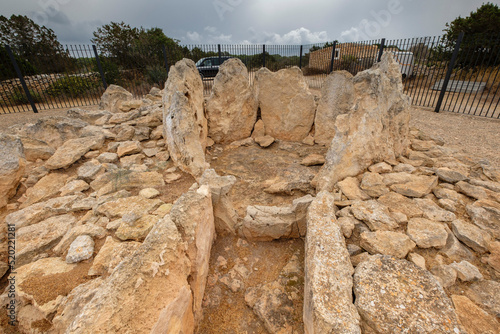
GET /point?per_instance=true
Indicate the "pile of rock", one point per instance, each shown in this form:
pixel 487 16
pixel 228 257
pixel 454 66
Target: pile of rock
pixel 399 226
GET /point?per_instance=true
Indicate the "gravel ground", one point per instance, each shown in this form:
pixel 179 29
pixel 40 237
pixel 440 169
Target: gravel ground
pixel 477 137
pixel 474 136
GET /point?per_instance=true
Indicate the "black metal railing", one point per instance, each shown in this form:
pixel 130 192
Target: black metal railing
pixel 460 75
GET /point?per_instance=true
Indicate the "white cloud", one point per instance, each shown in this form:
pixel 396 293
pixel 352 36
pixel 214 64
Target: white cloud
pixel 297 36
pixel 194 37
pixel 210 29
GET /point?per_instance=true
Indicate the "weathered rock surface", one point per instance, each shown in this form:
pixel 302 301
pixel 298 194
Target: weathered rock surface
pixel 375 130
pixel 264 141
pixel 266 223
pixel 471 235
pixel 473 318
pixel 486 215
pixel 399 203
pixel 387 243
pixel 72 150
pixel 110 255
pixel 193 215
pixel 487 294
pixel 114 97
pixel 419 186
pixel 396 296
pixel 136 229
pixel 374 214
pixel 337 97
pixel 313 160
pixel 426 233
pixel 328 304
pixel 350 188
pixel 36 149
pixel 12 165
pixel 224 213
pixel 46 187
pixel 287 107
pixel 185 125
pixel 160 265
pixel 82 248
pixel 232 107
pixel 130 205
pixel 38 238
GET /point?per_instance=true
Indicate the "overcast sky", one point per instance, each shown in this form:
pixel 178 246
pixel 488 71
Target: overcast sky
pixel 248 21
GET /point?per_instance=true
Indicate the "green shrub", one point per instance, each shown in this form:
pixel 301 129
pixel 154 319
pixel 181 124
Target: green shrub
pixel 72 86
pixel 18 96
pixel 156 74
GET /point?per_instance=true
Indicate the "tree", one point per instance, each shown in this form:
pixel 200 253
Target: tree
pixel 35 44
pixel 483 24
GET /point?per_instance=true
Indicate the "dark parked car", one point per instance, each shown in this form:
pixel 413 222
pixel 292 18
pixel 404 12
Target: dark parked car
pixel 209 67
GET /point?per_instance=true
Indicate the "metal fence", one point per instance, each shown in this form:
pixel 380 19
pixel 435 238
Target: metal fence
pixel 460 75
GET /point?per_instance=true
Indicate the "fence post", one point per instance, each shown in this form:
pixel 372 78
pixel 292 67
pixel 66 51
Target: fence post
pixel 263 55
pixel 300 58
pixel 100 67
pixel 165 59
pixel 382 45
pixel 21 78
pixel 334 46
pixel 220 54
pixel 449 71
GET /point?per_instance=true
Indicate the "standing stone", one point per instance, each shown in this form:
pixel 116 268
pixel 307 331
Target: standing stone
pixel 193 215
pixel 232 106
pixel 396 296
pixel 185 125
pixel 337 97
pixel 12 165
pixel 328 304
pixel 375 130
pixel 287 106
pixel 113 98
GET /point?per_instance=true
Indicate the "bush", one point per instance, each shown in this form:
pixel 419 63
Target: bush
pixel 156 74
pixel 17 96
pixel 72 86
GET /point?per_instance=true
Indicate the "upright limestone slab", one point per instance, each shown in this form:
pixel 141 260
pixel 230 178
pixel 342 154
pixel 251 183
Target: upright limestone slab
pixel 185 125
pixel 337 97
pixel 287 106
pixel 232 106
pixel 12 165
pixel 375 129
pixel 328 304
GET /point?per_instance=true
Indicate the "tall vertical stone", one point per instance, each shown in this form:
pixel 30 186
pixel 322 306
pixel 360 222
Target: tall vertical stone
pixel 328 304
pixel 12 164
pixel 375 129
pixel 232 106
pixel 184 122
pixel 287 106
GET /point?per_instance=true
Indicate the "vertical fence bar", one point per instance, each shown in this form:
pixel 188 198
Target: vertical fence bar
pixel 450 70
pixel 382 44
pixel 334 46
pixel 165 59
pixel 263 55
pixel 220 54
pixel 21 78
pixel 300 58
pixel 100 67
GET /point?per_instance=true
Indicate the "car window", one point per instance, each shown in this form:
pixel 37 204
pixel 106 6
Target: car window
pixel 207 62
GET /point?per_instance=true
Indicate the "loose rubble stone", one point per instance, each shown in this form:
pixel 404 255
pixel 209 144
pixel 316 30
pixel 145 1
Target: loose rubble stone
pixel 89 170
pixel 454 249
pixel 107 157
pixel 232 107
pixel 450 176
pixel 418 260
pixel 471 235
pixel 419 186
pixel 374 214
pixel 486 215
pixel 135 204
pixel 128 148
pixel 433 212
pixel 380 168
pixel 113 98
pixel 471 191
pixel 72 150
pixel 73 187
pixel 328 304
pixel 426 233
pixel 406 168
pixel 287 106
pixel 399 203
pixel 264 141
pixel 373 185
pixel 48 186
pixel 487 294
pixel 473 318
pixel 390 304
pixel 466 271
pixel 110 255
pixel 350 188
pixel 313 160
pixel 149 193
pixel 74 232
pixel 266 223
pixel 445 274
pixel 35 149
pixel 387 243
pixel 81 249
pixel 136 230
